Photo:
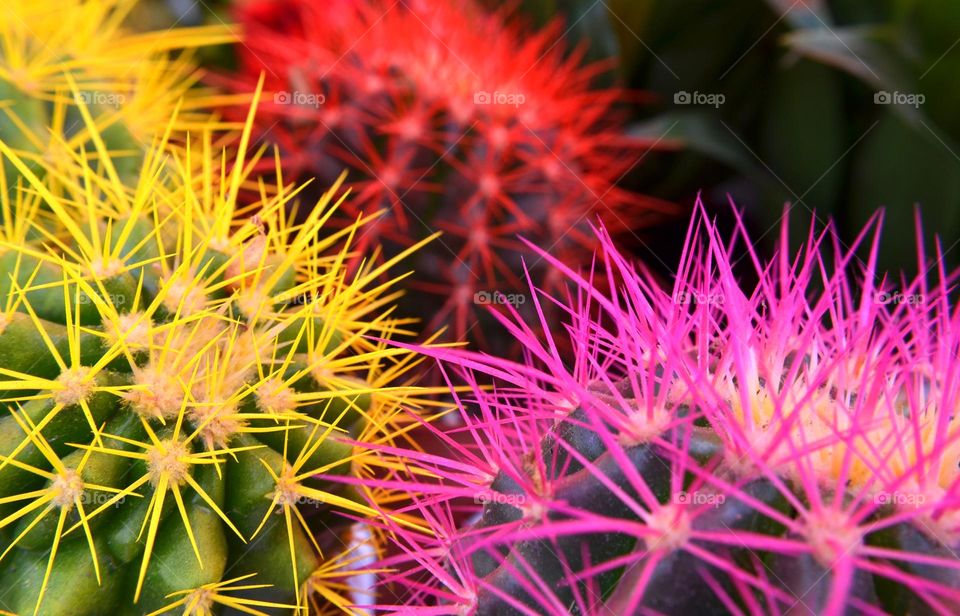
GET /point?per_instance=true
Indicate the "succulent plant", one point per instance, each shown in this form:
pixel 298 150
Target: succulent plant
pixel 456 118
pixel 715 447
pixel 130 82
pixel 177 376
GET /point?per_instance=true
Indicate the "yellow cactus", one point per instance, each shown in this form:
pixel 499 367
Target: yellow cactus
pixel 173 372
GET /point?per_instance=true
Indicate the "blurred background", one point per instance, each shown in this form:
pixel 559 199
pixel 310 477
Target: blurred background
pixel 813 108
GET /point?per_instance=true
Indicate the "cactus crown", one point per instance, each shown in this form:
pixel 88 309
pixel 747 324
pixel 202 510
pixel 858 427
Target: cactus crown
pixel 178 374
pixel 710 448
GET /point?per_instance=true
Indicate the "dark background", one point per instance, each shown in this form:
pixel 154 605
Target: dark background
pixel 805 120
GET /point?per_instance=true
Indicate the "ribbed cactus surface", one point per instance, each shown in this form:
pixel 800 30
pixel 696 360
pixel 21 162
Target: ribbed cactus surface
pixel 179 377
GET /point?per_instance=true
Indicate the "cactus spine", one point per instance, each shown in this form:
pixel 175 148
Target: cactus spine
pixel 129 82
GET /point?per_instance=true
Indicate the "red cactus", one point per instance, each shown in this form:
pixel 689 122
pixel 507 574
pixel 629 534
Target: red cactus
pixel 452 118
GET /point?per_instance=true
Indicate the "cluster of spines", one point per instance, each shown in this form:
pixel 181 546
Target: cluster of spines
pixel 712 448
pixel 129 81
pixel 153 342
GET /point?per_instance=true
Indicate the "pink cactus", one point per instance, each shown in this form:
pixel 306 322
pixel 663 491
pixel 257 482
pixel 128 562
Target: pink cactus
pixel 788 447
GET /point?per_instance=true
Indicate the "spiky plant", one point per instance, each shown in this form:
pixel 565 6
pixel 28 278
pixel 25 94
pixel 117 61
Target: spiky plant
pixel 789 447
pixel 455 118
pixel 176 376
pixel 130 82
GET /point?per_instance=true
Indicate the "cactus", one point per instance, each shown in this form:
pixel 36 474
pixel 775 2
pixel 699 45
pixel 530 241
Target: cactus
pixel 714 448
pixel 179 379
pixel 455 118
pixel 128 81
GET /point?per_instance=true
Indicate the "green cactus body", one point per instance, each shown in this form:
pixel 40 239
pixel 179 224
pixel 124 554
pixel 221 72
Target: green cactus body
pixel 31 113
pixel 166 411
pixel 122 430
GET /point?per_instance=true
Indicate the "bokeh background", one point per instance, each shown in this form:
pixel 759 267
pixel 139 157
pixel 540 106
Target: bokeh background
pixel 809 108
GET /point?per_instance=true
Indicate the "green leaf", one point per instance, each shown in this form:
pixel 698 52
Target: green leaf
pixel 876 55
pixel 631 20
pixel 864 52
pixel 808 14
pixel 871 11
pixel 934 24
pixel 804 138
pixel 937 21
pixel 898 166
pixel 702 132
pixel 678 36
